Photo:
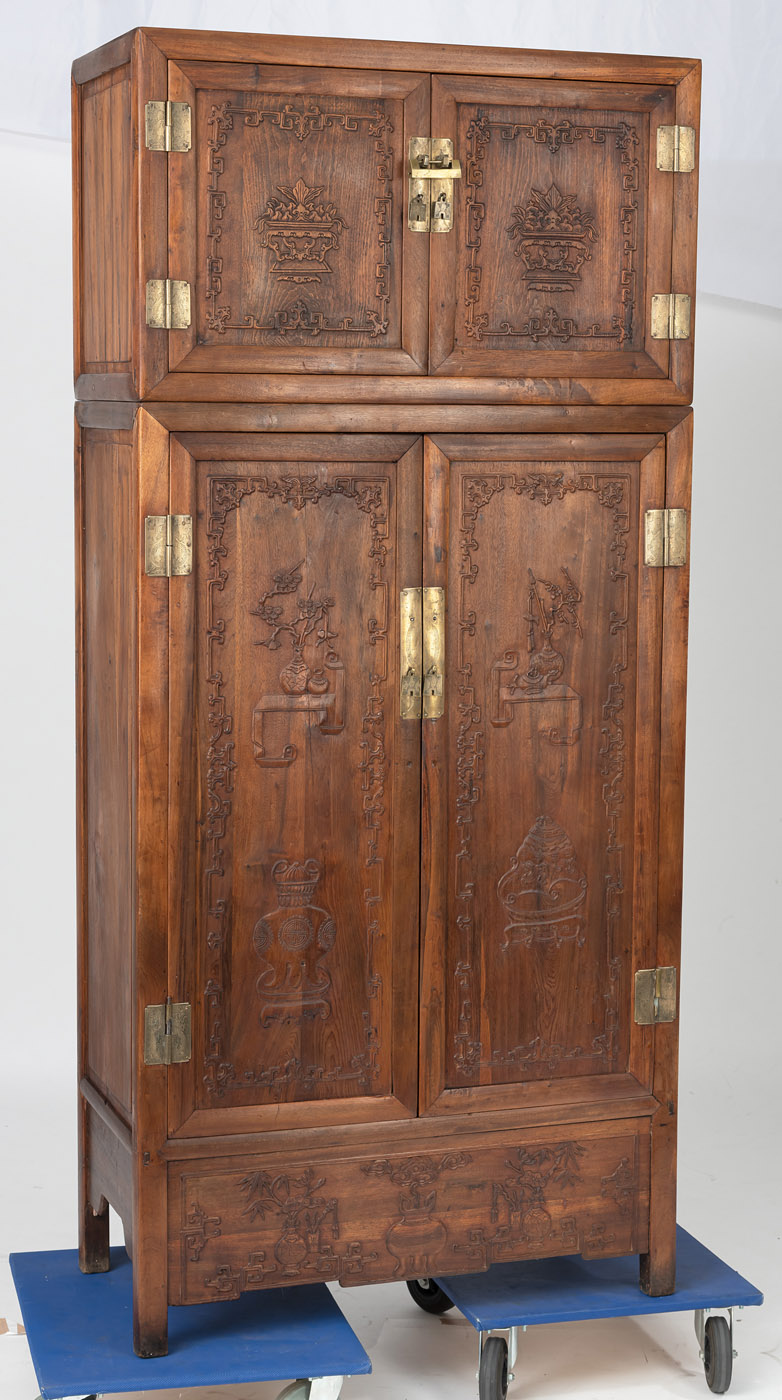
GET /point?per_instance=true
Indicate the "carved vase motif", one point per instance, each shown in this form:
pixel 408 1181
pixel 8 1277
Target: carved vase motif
pixel 416 1239
pixel 294 676
pixel 291 942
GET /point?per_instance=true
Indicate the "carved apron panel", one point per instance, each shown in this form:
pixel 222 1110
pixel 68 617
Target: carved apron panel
pixel 262 1223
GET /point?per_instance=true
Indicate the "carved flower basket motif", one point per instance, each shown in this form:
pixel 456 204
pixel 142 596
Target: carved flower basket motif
pixel 300 232
pixel 553 237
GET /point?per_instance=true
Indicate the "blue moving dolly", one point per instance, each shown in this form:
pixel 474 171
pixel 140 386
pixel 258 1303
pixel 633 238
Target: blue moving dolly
pixel 80 1331
pixel 512 1296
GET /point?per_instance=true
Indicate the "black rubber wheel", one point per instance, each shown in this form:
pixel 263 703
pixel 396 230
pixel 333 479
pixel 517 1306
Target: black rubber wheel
pixel 717 1355
pixel 428 1295
pixel 493 1373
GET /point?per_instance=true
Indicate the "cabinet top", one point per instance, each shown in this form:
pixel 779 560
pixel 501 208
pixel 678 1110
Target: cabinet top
pixel 182 44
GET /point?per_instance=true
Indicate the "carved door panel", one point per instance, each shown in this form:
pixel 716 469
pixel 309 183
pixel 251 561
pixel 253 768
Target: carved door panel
pixel 540 858
pixel 563 230
pixel 288 219
pixel 296 792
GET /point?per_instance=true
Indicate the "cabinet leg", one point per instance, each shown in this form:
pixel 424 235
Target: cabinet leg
pixel 94 1238
pixel 150 1261
pixel 93 1223
pixel 657 1280
pixel 658 1266
pixel 150 1320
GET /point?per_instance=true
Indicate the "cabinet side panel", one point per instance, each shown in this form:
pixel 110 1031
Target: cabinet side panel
pixel 103 211
pixel 109 686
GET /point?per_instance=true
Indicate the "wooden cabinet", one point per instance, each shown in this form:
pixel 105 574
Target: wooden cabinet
pixel 381 703
pixel 288 217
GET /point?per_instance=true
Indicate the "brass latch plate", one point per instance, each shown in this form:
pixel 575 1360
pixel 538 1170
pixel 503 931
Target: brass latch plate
pixel 432 169
pixel 670 316
pixel 655 995
pixel 434 653
pixel 665 538
pixel 421 653
pixel 168 126
pixel 168 545
pixel 167 1035
pixel 410 652
pixel 168 304
pixel 676 148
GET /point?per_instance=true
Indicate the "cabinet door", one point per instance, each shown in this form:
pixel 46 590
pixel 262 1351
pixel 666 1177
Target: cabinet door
pixel 542 778
pixel 295 788
pixel 563 232
pixel 288 218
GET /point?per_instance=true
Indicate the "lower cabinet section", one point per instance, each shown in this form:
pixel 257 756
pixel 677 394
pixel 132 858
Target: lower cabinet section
pixel 264 1222
pixel 409 724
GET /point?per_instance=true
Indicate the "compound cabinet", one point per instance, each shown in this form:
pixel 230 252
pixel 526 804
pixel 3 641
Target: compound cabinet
pixel 383 459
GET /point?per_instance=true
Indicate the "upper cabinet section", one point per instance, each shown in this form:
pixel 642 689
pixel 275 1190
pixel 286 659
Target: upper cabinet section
pixel 265 218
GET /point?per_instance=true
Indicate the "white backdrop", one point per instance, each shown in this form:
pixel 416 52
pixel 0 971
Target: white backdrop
pixel 731 1146
pixel 740 45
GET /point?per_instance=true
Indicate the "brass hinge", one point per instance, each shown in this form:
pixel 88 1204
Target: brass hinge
pixel 168 545
pixel 676 148
pixel 168 304
pixel 670 316
pixel 655 995
pixel 167 1036
pixel 665 538
pixel 432 169
pixel 422 653
pixel 168 126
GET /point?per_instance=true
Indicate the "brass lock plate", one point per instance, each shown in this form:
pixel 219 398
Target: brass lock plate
pixel 434 653
pixel 410 652
pixel 421 653
pixel 432 170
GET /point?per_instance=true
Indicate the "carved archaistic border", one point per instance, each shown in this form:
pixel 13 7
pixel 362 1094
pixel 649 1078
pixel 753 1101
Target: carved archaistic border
pixel 302 317
pixel 611 491
pixel 371 496
pixel 550 327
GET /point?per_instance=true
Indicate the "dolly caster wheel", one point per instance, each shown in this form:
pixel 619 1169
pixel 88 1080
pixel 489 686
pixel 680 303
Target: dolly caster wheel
pixel 493 1372
pixel 717 1355
pixel 429 1295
